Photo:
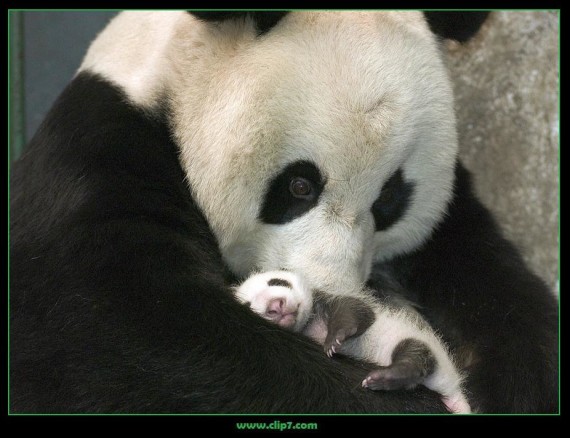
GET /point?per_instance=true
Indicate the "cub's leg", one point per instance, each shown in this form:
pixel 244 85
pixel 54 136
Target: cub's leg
pixel 409 353
pixel 412 362
pixel 403 345
pixel 345 317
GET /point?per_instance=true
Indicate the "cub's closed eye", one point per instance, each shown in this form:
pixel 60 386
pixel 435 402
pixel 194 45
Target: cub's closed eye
pixel 301 188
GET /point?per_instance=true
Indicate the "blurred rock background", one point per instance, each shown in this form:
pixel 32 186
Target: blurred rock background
pixel 506 85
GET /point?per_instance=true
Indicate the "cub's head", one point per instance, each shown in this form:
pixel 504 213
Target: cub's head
pixel 316 142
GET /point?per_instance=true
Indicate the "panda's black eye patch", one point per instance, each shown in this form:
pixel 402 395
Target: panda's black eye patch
pixel 393 201
pixel 292 193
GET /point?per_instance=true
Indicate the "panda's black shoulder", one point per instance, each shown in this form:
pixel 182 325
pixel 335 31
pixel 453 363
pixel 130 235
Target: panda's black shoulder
pixel 99 166
pixel 100 150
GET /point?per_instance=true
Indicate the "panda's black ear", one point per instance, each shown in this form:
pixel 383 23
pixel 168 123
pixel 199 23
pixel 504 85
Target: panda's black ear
pixel 456 25
pixel 264 21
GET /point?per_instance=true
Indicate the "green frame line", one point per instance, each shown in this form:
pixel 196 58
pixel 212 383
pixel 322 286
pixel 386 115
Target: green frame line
pixel 16 103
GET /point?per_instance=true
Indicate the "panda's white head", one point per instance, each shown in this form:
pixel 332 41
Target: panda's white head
pixel 322 144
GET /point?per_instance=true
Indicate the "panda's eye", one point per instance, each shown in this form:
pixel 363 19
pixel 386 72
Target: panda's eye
pixel 300 187
pixel 292 193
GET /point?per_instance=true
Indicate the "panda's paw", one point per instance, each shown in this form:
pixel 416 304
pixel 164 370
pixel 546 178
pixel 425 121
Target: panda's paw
pixel 278 296
pixel 336 335
pixel 333 343
pixel 413 363
pixel 396 376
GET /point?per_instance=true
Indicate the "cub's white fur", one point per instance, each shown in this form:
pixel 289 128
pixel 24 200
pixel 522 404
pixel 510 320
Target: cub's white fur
pixel 376 344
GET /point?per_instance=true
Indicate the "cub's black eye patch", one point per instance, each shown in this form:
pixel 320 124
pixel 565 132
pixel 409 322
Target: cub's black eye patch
pixel 392 202
pixel 292 193
pixel 279 282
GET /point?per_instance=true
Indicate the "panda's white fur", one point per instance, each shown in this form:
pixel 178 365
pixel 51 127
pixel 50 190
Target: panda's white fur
pixel 243 107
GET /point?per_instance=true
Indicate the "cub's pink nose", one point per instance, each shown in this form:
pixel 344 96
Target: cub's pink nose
pixel 281 313
pixel 275 308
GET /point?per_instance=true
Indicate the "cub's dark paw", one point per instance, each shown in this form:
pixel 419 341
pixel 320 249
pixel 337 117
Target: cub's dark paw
pixel 335 338
pixel 400 375
pixel 412 363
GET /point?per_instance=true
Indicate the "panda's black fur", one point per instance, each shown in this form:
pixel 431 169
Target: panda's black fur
pixel 119 299
pixel 474 288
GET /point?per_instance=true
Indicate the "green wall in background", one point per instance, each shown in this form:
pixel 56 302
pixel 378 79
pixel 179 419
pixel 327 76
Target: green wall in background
pixel 46 48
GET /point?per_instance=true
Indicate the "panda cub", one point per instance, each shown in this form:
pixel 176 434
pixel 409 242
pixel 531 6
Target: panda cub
pixel 405 347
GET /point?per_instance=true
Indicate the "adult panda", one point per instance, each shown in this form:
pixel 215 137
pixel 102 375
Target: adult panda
pixel 163 174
